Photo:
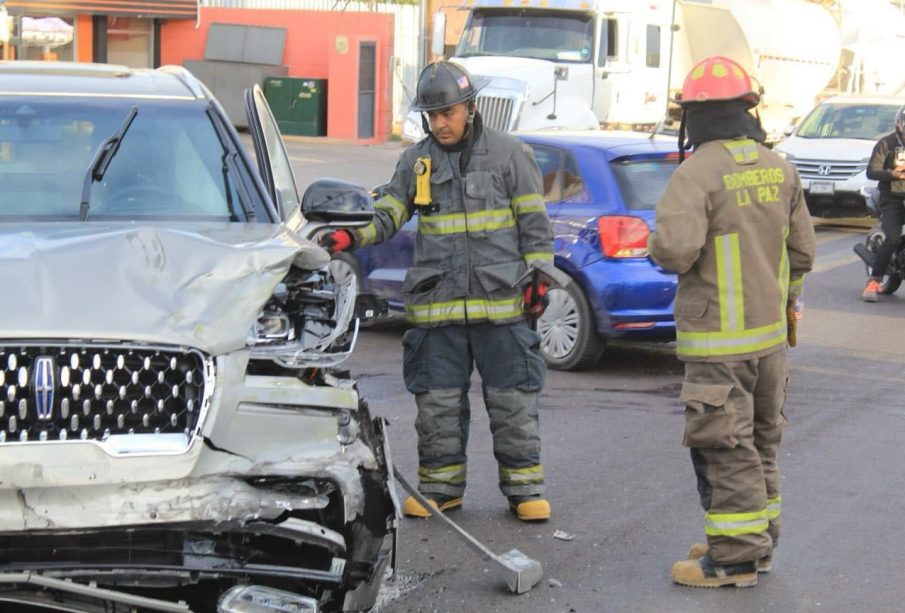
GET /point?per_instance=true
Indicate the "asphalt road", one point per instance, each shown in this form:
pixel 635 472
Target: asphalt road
pixel 622 485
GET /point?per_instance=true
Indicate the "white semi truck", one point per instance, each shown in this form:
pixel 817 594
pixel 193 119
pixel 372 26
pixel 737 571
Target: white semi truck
pixel 580 64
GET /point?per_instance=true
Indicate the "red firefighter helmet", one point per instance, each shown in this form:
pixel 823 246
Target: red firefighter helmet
pixel 719 78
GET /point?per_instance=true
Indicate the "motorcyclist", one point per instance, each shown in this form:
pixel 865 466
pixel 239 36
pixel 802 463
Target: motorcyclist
pixel 482 226
pixel 887 167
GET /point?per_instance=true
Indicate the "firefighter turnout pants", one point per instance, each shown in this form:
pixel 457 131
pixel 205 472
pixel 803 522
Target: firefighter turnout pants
pixel 437 367
pixel 733 426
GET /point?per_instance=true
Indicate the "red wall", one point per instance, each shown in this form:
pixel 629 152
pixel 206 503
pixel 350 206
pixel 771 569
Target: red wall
pixel 313 49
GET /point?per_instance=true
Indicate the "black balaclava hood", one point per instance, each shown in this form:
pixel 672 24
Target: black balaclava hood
pixel 721 120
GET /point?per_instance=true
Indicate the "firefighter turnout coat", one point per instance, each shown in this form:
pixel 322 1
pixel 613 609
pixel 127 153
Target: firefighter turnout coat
pixel 479 228
pixel 733 223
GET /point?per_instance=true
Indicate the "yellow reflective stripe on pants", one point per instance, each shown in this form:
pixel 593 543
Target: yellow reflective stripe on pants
pixel 734 524
pixel 774 506
pixel 729 280
pixel 458 310
pixel 522 476
pixel 729 343
pixel 529 203
pixel 456 223
pixel 452 474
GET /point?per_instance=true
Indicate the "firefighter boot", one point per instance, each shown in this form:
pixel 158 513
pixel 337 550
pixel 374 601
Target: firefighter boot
pixel 530 508
pixel 699 550
pixel 413 508
pixel 702 572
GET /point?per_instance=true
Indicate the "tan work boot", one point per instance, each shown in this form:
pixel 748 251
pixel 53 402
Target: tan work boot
pixel 530 508
pixel 699 550
pixel 413 508
pixel 702 572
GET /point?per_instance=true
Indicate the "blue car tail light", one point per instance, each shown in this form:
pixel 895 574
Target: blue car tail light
pixel 623 236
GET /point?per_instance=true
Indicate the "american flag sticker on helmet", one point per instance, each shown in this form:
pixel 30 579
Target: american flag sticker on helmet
pixel 462 82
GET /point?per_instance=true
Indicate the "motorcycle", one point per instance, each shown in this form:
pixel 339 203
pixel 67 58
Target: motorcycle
pixel 867 250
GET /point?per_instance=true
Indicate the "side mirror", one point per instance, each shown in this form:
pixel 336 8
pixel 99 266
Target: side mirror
pixel 337 202
pixel 438 34
pixel 787 131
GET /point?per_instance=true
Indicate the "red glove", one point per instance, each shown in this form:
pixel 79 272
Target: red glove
pixel 535 305
pixel 337 240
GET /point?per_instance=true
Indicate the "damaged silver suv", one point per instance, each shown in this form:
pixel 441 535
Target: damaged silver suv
pixel 174 432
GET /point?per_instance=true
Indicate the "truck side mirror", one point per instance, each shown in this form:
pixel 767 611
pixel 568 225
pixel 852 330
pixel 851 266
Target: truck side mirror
pixel 438 35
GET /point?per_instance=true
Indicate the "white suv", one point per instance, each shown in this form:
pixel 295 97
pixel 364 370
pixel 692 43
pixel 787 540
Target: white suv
pixel 831 147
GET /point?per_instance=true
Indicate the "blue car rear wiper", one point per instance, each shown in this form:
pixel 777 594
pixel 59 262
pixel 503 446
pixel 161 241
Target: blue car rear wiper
pixel 101 161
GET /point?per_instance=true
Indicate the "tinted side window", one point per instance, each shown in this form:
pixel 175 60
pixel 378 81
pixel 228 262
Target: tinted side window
pixel 653 46
pixel 550 162
pixel 572 184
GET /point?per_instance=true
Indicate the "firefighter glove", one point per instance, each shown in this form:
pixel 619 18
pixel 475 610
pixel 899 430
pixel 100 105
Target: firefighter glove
pixel 337 240
pixel 535 303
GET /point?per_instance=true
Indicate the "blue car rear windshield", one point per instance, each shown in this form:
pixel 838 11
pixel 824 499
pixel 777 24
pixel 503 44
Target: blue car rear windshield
pixel 642 182
pixel 170 164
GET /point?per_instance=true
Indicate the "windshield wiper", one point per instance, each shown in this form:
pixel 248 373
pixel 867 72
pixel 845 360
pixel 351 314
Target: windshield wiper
pixel 231 166
pixel 101 161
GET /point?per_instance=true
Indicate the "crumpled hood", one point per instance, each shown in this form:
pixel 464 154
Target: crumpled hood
pixel 197 285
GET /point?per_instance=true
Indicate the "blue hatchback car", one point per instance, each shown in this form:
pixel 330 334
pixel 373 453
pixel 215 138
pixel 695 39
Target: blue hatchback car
pixel 601 189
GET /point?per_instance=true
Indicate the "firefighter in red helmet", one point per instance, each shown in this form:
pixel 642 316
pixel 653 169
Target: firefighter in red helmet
pixel 734 225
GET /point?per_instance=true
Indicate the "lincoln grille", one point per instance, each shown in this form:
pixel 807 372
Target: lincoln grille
pixel 62 392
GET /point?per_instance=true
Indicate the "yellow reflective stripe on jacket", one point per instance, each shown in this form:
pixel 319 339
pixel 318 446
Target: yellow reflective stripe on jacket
pixel 743 151
pixel 454 474
pixel 457 310
pixel 396 209
pixel 774 506
pixel 734 524
pixel 729 280
pixel 729 343
pixel 456 223
pixel 538 257
pixel 522 476
pixel 784 269
pixel 529 203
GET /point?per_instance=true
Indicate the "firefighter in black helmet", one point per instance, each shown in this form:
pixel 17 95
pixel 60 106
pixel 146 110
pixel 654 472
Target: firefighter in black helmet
pixel 482 231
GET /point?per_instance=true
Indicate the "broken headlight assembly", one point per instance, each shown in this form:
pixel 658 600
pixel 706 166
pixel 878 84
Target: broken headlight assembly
pixel 309 321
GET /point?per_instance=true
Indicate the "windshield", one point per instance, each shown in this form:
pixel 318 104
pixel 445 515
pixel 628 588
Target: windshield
pixel 852 120
pixel 542 35
pixel 642 182
pixel 170 164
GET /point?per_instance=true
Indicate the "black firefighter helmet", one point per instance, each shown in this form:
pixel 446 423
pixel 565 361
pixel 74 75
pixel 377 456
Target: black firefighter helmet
pixel 443 84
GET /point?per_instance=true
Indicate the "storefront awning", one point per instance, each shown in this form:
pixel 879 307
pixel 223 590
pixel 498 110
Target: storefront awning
pixel 161 9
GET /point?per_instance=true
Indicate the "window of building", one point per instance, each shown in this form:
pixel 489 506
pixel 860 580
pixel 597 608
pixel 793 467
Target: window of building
pixel 130 42
pixel 44 38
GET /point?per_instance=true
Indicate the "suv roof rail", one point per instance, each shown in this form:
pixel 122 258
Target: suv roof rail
pixel 74 69
pixel 188 79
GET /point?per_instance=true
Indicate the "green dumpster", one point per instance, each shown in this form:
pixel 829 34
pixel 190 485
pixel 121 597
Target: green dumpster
pixel 299 105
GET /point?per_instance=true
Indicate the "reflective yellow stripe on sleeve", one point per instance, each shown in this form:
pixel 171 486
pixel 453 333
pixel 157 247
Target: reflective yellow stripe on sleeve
pixel 528 203
pixel 774 507
pixel 784 271
pixel 734 524
pixel 396 209
pixel 541 256
pixel 366 235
